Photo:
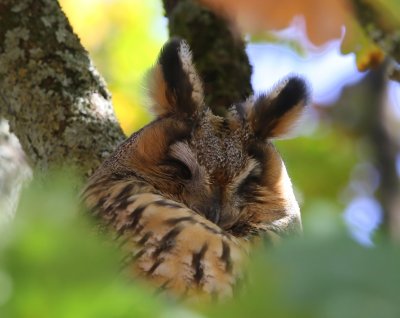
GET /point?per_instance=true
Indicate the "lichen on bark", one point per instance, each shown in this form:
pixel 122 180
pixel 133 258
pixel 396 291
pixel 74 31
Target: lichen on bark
pixel 55 100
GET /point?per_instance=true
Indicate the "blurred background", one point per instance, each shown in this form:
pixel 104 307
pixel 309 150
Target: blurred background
pixel 346 159
pixel 344 164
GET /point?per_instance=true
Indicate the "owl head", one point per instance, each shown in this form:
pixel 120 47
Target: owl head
pixel 223 168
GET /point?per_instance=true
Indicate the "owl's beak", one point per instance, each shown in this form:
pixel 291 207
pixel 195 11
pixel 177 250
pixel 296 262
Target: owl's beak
pixel 213 213
pixel 210 205
pixel 213 206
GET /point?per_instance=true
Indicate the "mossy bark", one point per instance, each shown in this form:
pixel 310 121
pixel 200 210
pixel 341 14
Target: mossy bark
pixel 54 99
pixel 218 52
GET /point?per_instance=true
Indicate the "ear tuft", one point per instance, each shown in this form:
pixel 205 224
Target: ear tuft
pixel 175 87
pixel 273 115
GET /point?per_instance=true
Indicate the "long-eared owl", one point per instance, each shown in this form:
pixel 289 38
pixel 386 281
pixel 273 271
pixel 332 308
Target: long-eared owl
pixel 188 194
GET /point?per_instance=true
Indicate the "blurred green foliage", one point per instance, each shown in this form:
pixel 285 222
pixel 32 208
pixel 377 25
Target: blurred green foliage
pixel 53 264
pixel 319 165
pixel 329 278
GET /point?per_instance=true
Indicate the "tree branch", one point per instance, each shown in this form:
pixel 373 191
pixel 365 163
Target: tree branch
pixel 218 52
pixel 55 100
pixel 361 110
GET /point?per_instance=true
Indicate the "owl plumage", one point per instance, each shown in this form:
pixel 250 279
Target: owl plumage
pixel 190 193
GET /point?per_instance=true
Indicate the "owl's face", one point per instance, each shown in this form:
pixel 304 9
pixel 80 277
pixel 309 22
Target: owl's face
pixel 225 169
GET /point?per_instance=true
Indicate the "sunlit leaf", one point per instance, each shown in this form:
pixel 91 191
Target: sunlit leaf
pixel 387 14
pixel 356 41
pixel 377 31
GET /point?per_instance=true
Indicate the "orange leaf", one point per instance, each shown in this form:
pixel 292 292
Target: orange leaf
pixel 324 19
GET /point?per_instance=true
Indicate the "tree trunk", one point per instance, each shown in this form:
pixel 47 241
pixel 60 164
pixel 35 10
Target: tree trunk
pixel 54 99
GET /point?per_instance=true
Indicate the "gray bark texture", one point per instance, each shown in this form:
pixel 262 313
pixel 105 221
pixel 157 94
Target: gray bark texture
pixel 51 94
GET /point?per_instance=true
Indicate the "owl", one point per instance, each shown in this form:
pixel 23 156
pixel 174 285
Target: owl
pixel 189 194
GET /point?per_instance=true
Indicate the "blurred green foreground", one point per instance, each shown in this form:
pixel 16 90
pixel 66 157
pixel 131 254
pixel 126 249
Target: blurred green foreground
pixel 52 264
